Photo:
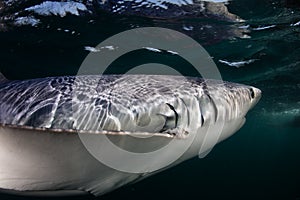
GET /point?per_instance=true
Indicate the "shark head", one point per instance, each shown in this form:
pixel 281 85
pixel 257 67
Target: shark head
pixel 227 103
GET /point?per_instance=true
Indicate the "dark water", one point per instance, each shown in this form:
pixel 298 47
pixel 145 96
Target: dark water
pixel 262 160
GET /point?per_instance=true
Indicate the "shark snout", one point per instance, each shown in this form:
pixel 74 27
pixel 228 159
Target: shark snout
pixel 255 94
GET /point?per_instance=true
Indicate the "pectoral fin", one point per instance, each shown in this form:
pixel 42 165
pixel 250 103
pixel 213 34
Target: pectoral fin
pixel 205 153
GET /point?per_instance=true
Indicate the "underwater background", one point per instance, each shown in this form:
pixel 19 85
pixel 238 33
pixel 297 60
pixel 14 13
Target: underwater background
pixel 262 160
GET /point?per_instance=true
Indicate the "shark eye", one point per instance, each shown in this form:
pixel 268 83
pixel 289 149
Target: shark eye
pixel 252 93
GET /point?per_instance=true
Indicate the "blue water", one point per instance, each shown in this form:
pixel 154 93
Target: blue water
pixel 262 160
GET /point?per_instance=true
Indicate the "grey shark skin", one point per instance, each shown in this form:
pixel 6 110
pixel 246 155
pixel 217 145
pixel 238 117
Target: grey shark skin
pixel 40 149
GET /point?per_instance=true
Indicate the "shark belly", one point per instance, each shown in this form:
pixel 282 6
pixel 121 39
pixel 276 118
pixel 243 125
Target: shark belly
pixel 37 163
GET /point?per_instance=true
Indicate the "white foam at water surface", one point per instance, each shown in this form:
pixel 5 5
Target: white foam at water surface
pixel 296 24
pixel 237 64
pixel 91 49
pixel 26 21
pixel 163 3
pixel 58 8
pixel 263 27
pixel 94 49
pixel 152 49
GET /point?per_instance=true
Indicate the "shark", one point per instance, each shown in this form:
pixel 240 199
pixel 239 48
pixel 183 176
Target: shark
pixel 91 134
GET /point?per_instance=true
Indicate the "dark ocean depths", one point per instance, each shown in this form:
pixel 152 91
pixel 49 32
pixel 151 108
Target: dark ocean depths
pixel 262 160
